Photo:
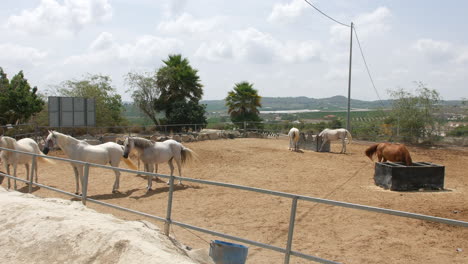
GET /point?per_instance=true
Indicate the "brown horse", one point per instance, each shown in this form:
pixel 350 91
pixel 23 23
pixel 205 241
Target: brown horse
pixel 390 152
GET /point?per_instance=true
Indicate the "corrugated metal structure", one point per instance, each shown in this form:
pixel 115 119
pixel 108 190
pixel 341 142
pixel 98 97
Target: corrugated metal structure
pixel 72 111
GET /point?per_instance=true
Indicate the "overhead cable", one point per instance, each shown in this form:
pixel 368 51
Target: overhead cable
pixel 367 68
pixel 343 24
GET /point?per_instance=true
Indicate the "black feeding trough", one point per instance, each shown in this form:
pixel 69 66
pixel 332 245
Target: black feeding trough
pixel 420 175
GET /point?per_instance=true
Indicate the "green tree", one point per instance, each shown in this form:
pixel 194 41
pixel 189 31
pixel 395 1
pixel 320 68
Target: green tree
pixel 187 113
pixel 174 90
pixel 18 101
pixel 178 83
pixel 414 114
pixel 109 107
pixel 243 102
pixel 145 92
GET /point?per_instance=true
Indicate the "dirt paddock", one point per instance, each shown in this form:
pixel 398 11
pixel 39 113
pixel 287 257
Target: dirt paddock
pixel 330 232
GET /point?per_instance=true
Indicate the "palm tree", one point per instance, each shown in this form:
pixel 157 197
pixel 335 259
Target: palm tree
pixel 178 82
pixel 242 103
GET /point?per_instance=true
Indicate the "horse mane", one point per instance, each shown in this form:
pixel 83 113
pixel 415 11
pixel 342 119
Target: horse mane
pixel 142 143
pixel 370 151
pixel 69 138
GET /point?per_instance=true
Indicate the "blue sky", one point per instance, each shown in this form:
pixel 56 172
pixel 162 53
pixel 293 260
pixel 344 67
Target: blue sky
pixel 284 47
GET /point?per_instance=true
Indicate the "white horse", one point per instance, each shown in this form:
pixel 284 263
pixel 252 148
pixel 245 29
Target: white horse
pixel 109 152
pixel 335 134
pixel 13 158
pixel 152 153
pixel 294 137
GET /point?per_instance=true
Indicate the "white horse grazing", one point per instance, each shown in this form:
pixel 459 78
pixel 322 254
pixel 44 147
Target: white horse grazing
pixel 335 134
pixel 294 137
pixel 75 149
pixel 13 158
pixel 152 153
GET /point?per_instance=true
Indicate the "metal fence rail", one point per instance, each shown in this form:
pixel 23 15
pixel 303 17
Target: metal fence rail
pixel 168 221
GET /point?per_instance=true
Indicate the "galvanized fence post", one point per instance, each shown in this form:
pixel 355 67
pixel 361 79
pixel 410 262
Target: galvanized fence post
pixel 33 169
pixel 292 219
pixel 167 224
pixel 84 184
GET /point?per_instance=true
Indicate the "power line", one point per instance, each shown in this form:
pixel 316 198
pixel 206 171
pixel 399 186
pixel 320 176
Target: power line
pixel 343 24
pixel 367 68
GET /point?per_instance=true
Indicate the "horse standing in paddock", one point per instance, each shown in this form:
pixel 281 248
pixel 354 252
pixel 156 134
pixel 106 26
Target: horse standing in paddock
pixel 75 149
pixel 152 153
pixel 294 137
pixel 335 134
pixel 390 152
pixel 13 158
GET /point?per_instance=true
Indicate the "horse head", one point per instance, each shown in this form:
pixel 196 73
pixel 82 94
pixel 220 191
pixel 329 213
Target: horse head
pixel 128 144
pixel 50 141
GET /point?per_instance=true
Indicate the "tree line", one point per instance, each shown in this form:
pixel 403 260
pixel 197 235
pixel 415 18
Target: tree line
pixel 171 95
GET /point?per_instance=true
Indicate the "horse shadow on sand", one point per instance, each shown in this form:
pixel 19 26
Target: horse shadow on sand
pixel 108 196
pixel 25 189
pixel 165 189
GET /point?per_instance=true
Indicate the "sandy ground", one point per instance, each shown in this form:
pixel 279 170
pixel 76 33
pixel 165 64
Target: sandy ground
pixel 330 232
pixel 36 230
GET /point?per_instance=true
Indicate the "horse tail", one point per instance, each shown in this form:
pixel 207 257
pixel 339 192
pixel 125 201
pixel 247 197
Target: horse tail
pixel 187 155
pixel 129 163
pixel 370 151
pixel 297 136
pixel 349 137
pixel 42 157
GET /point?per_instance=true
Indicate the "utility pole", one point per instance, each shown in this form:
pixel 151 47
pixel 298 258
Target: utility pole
pixel 348 119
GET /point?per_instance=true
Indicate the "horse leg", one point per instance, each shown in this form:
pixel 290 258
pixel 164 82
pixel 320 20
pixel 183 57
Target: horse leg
pixel 150 178
pixel 15 165
pixel 117 181
pixel 7 167
pixel 77 183
pixel 323 143
pixel 179 168
pixel 171 166
pixel 343 145
pixel 35 169
pixel 27 172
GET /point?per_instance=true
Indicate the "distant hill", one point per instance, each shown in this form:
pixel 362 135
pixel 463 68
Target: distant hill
pixel 334 103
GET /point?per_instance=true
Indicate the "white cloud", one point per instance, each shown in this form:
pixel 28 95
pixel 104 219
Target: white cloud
pixel 186 23
pixel 337 75
pixel 367 24
pixel 103 42
pixel 144 51
pixel 175 7
pixel 12 54
pixel 53 17
pixel 251 45
pixel 462 57
pixel 436 51
pixel 287 12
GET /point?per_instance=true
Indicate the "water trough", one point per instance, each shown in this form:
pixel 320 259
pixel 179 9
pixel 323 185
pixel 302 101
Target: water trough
pixel 420 175
pixel 312 142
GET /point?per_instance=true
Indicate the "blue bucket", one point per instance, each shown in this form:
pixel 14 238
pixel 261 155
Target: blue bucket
pixel 228 253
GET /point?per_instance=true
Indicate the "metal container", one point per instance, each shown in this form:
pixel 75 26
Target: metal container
pixel 420 175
